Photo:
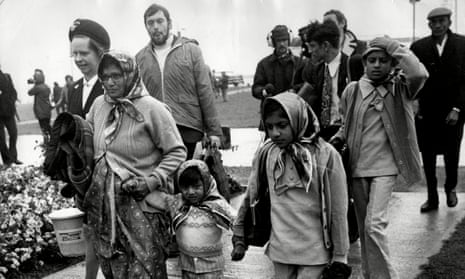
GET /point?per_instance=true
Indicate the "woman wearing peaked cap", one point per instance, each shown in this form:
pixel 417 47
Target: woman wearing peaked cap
pixel 89 40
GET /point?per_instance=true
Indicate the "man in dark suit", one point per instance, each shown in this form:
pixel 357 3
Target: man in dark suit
pixel 327 75
pixel 89 40
pixel 440 118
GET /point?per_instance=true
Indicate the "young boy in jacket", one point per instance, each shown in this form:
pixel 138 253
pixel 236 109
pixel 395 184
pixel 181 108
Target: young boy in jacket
pixel 379 131
pixel 307 189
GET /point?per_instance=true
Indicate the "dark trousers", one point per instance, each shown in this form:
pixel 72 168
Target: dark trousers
pixel 9 154
pixel 451 162
pixel 46 129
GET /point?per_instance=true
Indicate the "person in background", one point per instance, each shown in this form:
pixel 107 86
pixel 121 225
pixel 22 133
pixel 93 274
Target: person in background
pixel 42 106
pixel 307 191
pixel 57 98
pixel 276 72
pixel 441 113
pixel 348 42
pixel 379 130
pixel 65 92
pixel 89 40
pixel 325 81
pixel 137 149
pixel 8 97
pixel 224 83
pixel 174 72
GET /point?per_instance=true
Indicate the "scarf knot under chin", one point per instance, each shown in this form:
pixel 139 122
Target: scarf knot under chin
pixel 302 160
pixel 121 106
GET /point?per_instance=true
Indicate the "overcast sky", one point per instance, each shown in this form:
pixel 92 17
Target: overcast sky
pixel 231 33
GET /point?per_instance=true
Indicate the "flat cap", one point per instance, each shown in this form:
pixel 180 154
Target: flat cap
pixel 90 29
pixel 441 11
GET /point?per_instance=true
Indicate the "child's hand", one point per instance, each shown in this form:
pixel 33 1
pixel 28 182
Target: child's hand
pixel 386 43
pixel 238 253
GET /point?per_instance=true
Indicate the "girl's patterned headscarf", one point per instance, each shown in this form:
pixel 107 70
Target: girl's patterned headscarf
pixel 305 127
pixel 133 89
pixel 212 200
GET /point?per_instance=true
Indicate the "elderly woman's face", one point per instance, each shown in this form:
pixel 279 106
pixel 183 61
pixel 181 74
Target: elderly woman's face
pixel 113 81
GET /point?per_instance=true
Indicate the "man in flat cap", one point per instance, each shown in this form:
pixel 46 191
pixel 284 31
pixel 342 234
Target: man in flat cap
pixel 277 72
pixel 89 40
pixel 441 114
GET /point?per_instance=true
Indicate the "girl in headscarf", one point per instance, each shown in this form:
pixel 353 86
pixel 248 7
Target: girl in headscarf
pixel 137 149
pixel 307 189
pixel 199 214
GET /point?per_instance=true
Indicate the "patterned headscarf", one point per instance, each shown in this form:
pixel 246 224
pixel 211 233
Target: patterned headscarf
pixel 212 200
pixel 305 127
pixel 134 89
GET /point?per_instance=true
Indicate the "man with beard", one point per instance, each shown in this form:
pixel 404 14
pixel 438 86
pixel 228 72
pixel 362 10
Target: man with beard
pixel 277 72
pixel 174 72
pixel 440 118
pixel 89 40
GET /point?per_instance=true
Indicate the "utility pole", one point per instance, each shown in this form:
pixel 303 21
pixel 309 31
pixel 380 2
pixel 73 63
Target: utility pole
pixel 413 18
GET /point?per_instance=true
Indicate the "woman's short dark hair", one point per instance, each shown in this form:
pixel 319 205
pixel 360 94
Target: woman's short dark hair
pixel 321 32
pixel 188 176
pixel 153 9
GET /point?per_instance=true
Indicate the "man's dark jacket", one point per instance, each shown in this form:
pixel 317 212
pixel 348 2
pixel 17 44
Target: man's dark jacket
pixel 444 90
pixel 314 75
pixel 282 74
pixel 75 97
pixel 7 97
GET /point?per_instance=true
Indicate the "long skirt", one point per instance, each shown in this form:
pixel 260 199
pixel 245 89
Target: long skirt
pixel 129 242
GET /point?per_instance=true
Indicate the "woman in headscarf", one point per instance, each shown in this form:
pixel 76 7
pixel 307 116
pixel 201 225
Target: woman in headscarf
pixel 137 148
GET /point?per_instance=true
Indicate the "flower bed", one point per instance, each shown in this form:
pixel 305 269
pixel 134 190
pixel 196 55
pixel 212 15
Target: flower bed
pixel 27 240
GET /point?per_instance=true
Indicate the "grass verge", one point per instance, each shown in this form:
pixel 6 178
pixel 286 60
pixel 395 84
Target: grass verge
pixel 449 261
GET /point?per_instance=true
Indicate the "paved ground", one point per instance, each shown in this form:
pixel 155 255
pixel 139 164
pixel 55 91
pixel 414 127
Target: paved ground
pixel 413 238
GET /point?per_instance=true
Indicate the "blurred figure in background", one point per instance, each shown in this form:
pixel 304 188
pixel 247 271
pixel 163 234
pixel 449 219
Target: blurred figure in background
pixel 42 105
pixel 8 97
pixel 57 98
pixel 276 72
pixel 224 86
pixel 69 82
pixel 348 42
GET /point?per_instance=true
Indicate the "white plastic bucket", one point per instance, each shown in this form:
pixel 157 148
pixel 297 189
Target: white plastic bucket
pixel 69 232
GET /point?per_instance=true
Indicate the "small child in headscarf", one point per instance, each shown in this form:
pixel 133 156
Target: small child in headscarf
pixel 307 190
pixel 198 213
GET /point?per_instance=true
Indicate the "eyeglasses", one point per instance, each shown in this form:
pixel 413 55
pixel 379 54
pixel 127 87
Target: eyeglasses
pixel 113 77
